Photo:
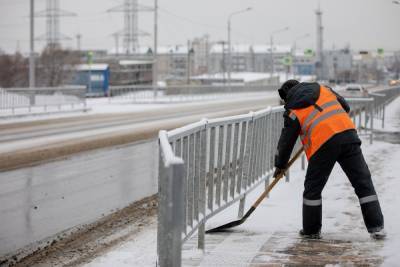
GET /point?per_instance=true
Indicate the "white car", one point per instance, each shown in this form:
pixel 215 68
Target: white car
pixel 355 90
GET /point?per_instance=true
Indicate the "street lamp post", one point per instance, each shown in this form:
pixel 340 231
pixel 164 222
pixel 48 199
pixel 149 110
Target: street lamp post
pixel 229 41
pixel 223 61
pixel 32 47
pixel 272 49
pixel 190 53
pixel 299 38
pixel 295 48
pixel 155 52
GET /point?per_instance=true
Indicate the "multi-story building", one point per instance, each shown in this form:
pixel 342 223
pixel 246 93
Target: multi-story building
pixel 248 58
pixel 201 53
pixel 338 65
pixel 303 63
pixel 173 62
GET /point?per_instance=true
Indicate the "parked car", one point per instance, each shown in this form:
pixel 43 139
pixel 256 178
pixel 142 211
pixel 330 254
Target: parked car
pixel 394 82
pixel 355 90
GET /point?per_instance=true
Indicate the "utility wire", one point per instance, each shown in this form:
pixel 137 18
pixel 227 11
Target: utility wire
pixel 202 24
pixel 190 20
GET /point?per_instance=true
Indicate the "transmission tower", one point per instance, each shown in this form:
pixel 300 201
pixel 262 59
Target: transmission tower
pixel 52 13
pixel 130 33
pixel 320 45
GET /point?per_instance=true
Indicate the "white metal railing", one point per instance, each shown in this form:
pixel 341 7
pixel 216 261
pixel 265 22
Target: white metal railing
pixel 207 166
pixel 222 161
pixel 150 94
pixel 381 99
pixel 29 99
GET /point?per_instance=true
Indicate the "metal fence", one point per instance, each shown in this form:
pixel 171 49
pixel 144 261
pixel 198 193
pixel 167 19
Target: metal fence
pixel 150 94
pixel 207 166
pixel 362 114
pixel 32 99
pixel 381 99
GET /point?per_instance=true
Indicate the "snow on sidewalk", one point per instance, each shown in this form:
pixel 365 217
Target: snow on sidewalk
pixel 269 237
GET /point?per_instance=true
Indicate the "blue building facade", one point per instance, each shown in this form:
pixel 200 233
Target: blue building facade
pixel 96 78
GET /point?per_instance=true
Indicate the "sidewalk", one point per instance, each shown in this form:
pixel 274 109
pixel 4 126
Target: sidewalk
pixel 269 237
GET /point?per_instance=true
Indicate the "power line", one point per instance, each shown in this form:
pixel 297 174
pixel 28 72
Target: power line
pixel 130 32
pixel 52 13
pixel 190 20
pixel 219 27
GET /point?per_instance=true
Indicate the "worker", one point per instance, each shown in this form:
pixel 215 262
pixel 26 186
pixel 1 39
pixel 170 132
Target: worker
pixel 320 117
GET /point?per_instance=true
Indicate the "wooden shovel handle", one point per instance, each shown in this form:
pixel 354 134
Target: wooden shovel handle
pixel 290 163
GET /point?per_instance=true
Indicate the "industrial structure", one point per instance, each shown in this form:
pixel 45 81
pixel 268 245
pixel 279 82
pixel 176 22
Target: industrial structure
pixel 320 45
pixel 130 32
pixel 52 13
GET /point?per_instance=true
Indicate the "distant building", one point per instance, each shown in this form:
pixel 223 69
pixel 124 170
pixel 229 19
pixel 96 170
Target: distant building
pixel 338 65
pixel 248 58
pixel 95 77
pixel 303 63
pixel 131 72
pixel 201 50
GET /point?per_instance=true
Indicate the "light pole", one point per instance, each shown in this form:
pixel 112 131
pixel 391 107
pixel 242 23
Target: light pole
pixel 304 36
pixel 155 52
pixel 190 53
pixel 299 38
pixel 32 48
pixel 272 49
pixel 229 41
pixel 223 62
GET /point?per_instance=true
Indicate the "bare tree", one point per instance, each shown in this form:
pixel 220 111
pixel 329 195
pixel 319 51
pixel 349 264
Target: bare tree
pixel 13 70
pixel 55 65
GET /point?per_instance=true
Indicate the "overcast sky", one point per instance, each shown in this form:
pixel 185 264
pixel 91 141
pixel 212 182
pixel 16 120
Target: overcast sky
pixel 364 24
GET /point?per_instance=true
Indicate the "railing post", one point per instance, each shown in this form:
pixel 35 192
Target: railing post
pixel 372 124
pixel 242 202
pixel 383 116
pixel 202 188
pixel 170 214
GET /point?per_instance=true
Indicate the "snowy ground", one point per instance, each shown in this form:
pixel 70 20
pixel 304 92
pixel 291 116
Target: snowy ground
pixel 269 237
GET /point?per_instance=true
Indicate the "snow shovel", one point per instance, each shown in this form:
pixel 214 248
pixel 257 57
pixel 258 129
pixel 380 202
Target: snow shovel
pixel 258 201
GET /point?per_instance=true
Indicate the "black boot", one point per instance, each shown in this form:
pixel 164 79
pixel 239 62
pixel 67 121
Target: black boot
pixel 310 236
pixel 379 234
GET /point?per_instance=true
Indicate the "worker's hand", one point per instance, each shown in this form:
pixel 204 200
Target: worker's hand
pixel 278 172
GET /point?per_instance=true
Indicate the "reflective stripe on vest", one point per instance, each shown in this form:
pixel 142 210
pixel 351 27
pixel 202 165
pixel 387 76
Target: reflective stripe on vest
pixel 319 125
pixel 315 113
pixel 317 121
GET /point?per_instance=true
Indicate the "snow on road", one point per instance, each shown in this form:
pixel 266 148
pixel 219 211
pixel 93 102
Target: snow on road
pixel 269 237
pixel 103 105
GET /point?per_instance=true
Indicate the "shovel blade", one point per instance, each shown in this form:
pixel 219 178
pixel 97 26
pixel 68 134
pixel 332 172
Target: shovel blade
pixel 226 226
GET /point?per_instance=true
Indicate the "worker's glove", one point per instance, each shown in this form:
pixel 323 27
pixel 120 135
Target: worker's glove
pixel 278 172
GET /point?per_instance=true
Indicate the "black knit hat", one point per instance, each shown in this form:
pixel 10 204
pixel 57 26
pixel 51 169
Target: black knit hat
pixel 286 86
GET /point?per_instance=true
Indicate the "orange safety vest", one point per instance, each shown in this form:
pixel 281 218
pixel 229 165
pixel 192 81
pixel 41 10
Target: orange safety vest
pixel 321 121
